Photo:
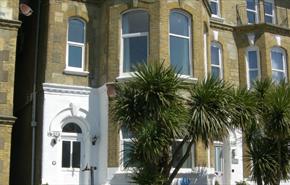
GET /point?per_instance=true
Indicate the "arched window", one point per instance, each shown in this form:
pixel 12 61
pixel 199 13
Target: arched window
pixel 135 27
pixel 71 146
pixel 216 60
pixel 252 65
pixel 75 45
pixel 278 61
pixel 180 42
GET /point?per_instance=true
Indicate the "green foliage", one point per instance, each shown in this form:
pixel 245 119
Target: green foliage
pixel 210 110
pixel 266 135
pixel 157 106
pixel 241 183
pixel 150 106
pixel 216 183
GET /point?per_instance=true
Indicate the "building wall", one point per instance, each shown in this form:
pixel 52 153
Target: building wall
pixel 103 47
pixel 9 25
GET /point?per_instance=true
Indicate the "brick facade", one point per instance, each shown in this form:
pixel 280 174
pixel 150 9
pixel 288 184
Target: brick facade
pixel 103 48
pixel 9 25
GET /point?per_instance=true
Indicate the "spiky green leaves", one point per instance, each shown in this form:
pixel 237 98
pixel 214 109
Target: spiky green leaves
pixel 210 110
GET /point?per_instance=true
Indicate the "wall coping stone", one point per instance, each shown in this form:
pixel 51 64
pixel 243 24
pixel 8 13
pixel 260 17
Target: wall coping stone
pixel 10 24
pixel 7 120
pixel 264 27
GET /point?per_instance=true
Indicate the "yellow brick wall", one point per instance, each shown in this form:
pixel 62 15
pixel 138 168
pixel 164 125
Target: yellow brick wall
pixel 5 144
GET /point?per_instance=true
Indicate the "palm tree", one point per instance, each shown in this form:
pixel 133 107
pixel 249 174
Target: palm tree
pixel 158 107
pixel 266 135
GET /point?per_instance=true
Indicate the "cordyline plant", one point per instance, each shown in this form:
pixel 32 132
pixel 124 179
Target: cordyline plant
pixel 267 135
pixel 156 106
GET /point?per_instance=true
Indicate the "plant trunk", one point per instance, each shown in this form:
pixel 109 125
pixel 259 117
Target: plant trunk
pixel 180 163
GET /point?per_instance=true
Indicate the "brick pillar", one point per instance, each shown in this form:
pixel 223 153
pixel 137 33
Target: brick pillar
pixel 5 144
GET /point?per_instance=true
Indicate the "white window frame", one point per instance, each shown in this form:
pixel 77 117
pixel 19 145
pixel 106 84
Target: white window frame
pixel 280 50
pixel 254 11
pixel 71 137
pixel 123 74
pixel 220 66
pixel 70 69
pixel 183 37
pixel 218 15
pixel 219 144
pixel 122 140
pixel 254 48
pixel 273 11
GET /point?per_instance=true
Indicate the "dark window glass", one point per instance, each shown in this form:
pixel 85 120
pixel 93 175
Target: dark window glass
pixel 66 154
pixel 277 60
pixel 76 31
pixel 251 17
pixel 179 54
pixel 277 76
pixel 253 76
pixel 268 8
pixel 214 8
pixel 135 21
pixel 268 19
pixel 215 55
pixel 215 72
pixel 188 162
pixel 251 4
pixel 218 158
pixel 135 52
pixel 76 155
pixel 253 59
pixel 72 128
pixel 179 24
pixel 75 56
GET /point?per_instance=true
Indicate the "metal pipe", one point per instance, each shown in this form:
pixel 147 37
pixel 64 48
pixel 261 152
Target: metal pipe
pixel 33 116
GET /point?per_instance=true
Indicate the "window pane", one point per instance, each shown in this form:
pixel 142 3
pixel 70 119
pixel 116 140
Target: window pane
pixel 253 76
pixel 277 60
pixel 268 8
pixel 218 158
pixel 215 72
pixel 135 52
pixel 75 56
pixel 215 55
pixel 76 155
pixel 278 76
pixel 253 59
pixel 135 21
pixel 179 55
pixel 268 19
pixel 72 128
pixel 188 162
pixel 214 7
pixel 76 31
pixel 251 17
pixel 126 153
pixel 126 134
pixel 251 4
pixel 65 154
pixel 179 24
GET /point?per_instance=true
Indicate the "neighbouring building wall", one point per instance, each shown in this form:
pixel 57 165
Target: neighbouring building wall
pixel 9 25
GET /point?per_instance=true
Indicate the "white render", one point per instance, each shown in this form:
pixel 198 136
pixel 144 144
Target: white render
pixel 87 107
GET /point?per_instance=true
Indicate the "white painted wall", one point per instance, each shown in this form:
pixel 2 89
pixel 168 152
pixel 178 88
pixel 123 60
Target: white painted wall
pixel 87 107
